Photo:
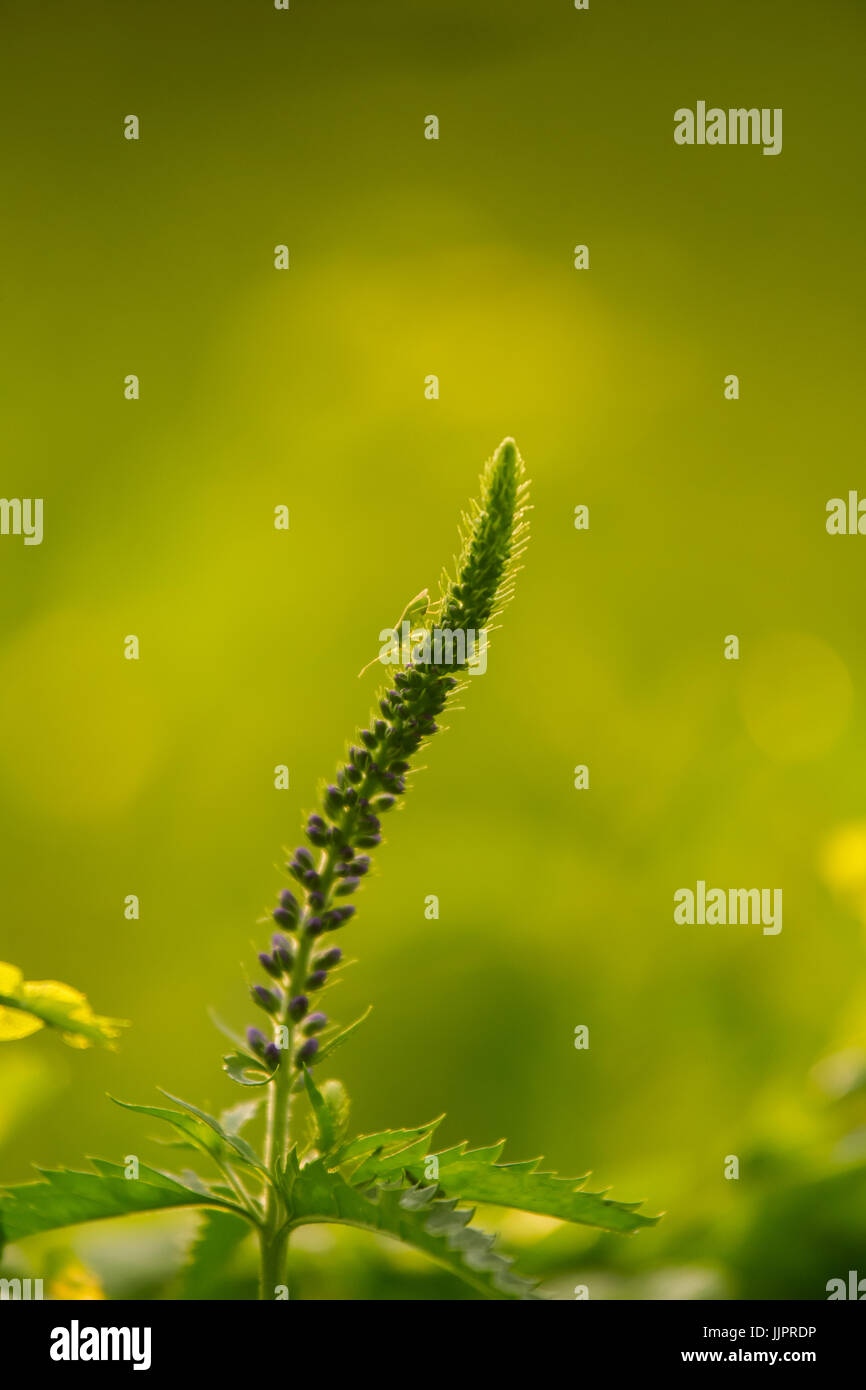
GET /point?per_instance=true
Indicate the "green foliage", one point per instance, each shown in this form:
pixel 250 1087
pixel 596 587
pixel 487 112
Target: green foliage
pixel 415 1216
pixel 475 1176
pixel 330 1111
pixel 387 1141
pixel 217 1239
pixel 26 1006
pixel 203 1131
pixel 245 1070
pixel 66 1198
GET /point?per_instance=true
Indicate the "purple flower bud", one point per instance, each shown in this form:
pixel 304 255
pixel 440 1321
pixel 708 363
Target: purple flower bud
pixel 303 854
pixel 328 959
pixel 314 927
pixel 368 841
pixel 267 999
pixel 298 1007
pixel 311 879
pixel 272 1056
pixel 283 951
pixel 359 866
pixel 283 917
pixel 333 800
pixel 316 980
pixel 384 803
pixel 380 728
pixel 347 886
pixel 316 901
pixel 307 1051
pixel 257 1041
pixel 315 1023
pixel 337 916
pixel 369 738
pixel 269 964
pixel 289 901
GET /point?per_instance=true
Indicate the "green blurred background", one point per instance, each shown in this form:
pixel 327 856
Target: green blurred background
pixel 306 388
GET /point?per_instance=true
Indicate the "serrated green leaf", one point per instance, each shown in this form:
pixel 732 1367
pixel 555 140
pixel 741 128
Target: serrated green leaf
pixel 219 1235
pixel 383 1164
pixel 242 1150
pixel 475 1176
pixel 191 1179
pixel 196 1136
pixel 387 1141
pixel 28 1005
pixel 287 1172
pixel 201 1131
pixel 330 1108
pixel 66 1198
pixel 339 1105
pixel 433 1225
pixel 237 1116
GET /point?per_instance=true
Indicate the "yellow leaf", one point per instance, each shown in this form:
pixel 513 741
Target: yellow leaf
pixel 14 1024
pixel 10 978
pixel 27 1005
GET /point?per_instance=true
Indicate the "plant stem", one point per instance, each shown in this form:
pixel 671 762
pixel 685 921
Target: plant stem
pixel 273 1265
pixel 275 1247
pixel 274 1237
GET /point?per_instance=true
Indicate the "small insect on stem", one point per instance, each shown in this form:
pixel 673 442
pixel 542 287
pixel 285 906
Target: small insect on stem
pixel 415 611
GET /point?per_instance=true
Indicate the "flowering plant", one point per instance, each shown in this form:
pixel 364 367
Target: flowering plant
pixel 393 1182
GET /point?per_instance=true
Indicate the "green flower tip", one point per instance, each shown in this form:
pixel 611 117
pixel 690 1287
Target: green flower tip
pixel 493 537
